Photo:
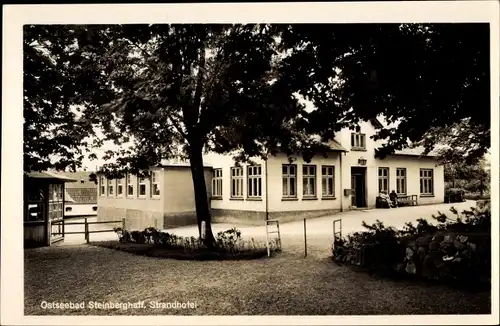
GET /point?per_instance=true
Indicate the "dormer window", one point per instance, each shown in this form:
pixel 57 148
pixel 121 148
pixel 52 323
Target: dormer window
pixel 358 140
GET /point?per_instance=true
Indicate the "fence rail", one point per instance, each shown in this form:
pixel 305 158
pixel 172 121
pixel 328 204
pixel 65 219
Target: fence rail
pixel 86 231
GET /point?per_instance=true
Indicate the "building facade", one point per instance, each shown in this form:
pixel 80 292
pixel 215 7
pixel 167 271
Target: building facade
pixel 81 196
pixel 350 177
pixel 163 200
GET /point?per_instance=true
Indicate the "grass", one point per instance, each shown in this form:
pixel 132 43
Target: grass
pixel 287 284
pixel 158 251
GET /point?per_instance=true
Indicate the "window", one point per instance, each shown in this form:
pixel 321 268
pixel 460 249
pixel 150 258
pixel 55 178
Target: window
pixel 142 187
pixel 383 180
pixel 426 182
pixel 119 187
pixel 327 179
pixel 401 181
pixel 309 180
pixel 237 182
pixel 110 187
pixel 217 183
pixel 289 172
pixel 102 186
pixel 254 175
pixel 155 184
pixel 130 186
pixel 358 141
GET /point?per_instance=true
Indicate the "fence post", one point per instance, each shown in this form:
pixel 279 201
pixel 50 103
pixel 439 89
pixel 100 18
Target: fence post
pixel 267 240
pixel 305 239
pixel 86 231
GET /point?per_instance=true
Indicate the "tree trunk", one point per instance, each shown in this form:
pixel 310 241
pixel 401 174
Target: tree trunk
pixel 200 194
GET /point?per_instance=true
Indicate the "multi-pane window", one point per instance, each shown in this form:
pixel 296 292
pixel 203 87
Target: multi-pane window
pixel 254 176
pixel 289 174
pixel 236 182
pixel 327 181
pixel 217 183
pixel 401 181
pixel 142 187
pixel 110 187
pixel 358 141
pixel 102 186
pixel 155 184
pixel 130 186
pixel 426 182
pixel 383 180
pixel 309 180
pixel 119 187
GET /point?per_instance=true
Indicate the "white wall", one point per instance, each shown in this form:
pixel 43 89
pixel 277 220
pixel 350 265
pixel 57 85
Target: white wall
pixel 178 189
pixel 413 166
pixel 276 201
pixel 351 158
pixel 148 203
pixel 79 209
pixel 226 162
pixel 411 163
pixel 275 198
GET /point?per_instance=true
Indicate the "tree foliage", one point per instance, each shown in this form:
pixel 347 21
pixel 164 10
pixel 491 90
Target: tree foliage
pixel 471 177
pixel 431 78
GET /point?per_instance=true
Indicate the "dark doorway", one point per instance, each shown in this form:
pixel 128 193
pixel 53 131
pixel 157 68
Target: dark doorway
pixel 358 183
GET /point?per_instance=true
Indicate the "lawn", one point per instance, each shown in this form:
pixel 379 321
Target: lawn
pixel 286 284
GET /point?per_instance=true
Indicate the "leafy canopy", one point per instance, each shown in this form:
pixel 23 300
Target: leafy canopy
pixel 233 87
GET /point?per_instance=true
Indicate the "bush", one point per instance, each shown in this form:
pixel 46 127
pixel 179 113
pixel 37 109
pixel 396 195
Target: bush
pixel 477 196
pixel 227 242
pixel 456 249
pixel 454 195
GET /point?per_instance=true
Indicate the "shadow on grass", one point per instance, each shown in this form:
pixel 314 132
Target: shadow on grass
pixel 158 251
pixel 477 286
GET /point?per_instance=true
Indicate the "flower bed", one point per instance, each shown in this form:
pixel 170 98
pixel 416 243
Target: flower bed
pixel 154 243
pixel 455 250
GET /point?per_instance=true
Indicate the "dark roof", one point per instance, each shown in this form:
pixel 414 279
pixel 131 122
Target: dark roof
pixel 335 146
pixel 180 165
pixel 82 195
pixel 49 176
pixel 416 151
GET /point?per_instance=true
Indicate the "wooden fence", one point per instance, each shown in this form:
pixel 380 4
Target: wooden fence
pixel 87 231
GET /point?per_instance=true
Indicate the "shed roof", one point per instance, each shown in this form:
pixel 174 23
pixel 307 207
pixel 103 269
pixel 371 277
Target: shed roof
pixel 49 176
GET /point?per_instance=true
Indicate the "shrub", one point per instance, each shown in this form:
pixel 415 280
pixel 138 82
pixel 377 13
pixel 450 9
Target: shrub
pixel 454 195
pixel 456 249
pixel 228 241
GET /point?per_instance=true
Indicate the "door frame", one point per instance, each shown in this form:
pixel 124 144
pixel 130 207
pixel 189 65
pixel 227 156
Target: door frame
pixel 359 172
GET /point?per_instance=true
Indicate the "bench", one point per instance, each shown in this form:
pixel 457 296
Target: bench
pixel 408 200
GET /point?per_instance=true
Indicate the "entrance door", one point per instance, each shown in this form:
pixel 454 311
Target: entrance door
pixel 358 184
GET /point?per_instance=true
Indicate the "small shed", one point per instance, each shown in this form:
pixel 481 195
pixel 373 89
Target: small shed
pixel 43 206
